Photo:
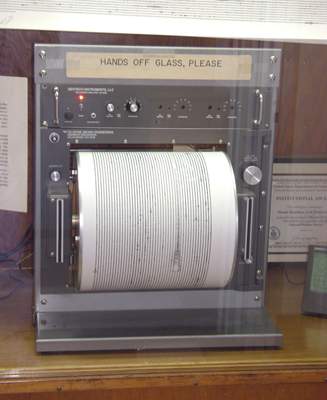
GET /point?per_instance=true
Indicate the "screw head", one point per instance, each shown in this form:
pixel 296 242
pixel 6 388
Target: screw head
pixel 272 77
pixel 266 147
pixel 42 73
pixel 257 298
pixel 261 227
pixel 259 272
pixel 263 193
pixel 273 59
pixel 42 54
pixel 173 141
pixel 43 301
pixel 44 124
pixel 125 141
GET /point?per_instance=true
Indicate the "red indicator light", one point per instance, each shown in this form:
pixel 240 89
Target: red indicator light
pixel 81 97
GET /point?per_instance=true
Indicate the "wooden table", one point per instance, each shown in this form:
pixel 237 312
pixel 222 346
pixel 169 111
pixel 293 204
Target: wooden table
pixel 297 370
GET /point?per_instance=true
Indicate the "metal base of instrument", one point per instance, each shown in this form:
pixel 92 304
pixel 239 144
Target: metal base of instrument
pixel 155 329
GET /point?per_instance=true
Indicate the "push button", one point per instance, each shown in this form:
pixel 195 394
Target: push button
pixel 69 115
pixel 55 176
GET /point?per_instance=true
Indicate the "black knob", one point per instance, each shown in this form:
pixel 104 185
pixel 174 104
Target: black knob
pixel 69 115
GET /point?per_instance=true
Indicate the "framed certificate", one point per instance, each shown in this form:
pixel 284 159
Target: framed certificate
pixel 298 215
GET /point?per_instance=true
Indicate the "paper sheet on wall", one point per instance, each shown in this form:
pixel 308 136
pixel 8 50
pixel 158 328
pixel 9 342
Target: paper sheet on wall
pixel 13 143
pixel 296 21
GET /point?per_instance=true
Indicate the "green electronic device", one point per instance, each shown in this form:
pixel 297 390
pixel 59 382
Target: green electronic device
pixel 315 289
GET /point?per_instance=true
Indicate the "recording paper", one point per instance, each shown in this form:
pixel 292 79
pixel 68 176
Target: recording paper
pixel 156 220
pixel 296 21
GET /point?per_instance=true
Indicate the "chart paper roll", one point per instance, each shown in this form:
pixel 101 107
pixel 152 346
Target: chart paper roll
pixel 155 220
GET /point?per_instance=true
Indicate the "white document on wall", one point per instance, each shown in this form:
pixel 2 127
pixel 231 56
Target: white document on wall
pixel 13 143
pixel 279 20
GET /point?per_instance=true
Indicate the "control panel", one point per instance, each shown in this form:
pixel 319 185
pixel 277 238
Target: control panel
pixel 149 107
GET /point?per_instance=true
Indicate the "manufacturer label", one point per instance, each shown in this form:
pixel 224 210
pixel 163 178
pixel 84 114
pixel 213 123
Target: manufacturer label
pixel 86 134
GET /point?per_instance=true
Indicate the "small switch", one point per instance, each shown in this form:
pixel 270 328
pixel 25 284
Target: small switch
pixel 54 137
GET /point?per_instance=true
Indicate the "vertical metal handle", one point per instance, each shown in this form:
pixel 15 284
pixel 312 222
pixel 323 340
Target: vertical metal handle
pixel 248 230
pixel 258 122
pixel 60 230
pixel 56 108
